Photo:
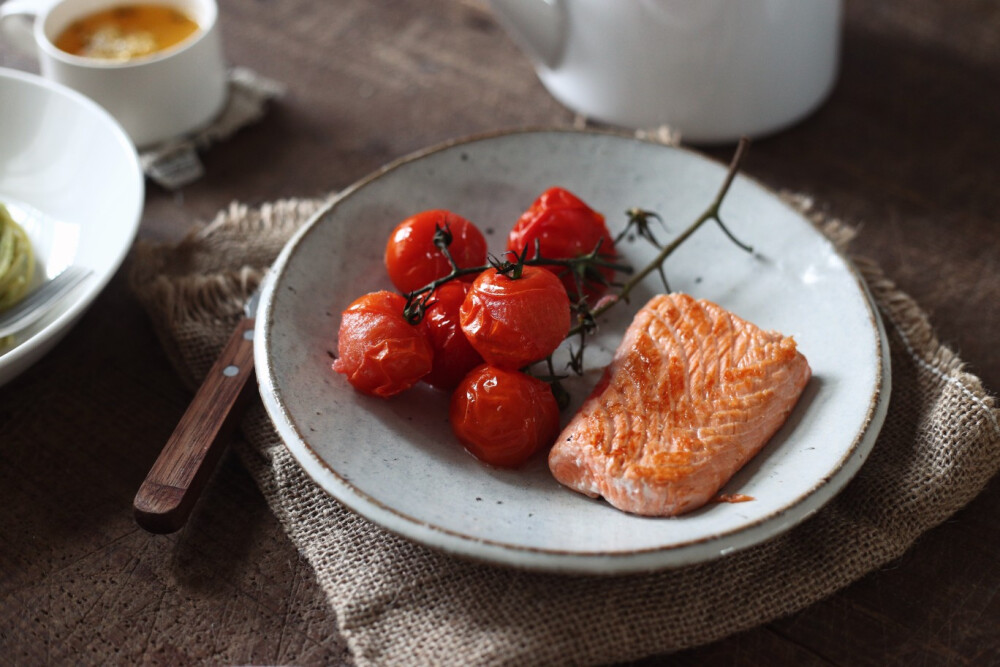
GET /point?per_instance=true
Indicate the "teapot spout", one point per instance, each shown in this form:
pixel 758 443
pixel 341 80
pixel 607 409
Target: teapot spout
pixel 537 26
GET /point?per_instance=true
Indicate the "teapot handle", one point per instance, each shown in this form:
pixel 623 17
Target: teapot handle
pixel 17 23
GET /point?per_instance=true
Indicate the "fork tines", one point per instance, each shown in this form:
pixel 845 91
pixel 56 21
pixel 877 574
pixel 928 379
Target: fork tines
pixel 38 302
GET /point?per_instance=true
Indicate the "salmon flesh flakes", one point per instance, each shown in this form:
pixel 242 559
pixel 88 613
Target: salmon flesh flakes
pixel 693 393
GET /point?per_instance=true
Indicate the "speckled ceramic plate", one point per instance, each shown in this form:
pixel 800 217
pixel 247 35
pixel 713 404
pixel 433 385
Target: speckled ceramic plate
pixel 396 461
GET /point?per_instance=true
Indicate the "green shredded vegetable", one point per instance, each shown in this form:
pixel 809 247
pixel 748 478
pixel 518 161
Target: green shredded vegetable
pixel 17 261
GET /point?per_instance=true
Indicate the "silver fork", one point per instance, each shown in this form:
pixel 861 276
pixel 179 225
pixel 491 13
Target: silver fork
pixel 30 309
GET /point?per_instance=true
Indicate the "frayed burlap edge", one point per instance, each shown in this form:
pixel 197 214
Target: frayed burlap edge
pixel 396 601
pixel 207 277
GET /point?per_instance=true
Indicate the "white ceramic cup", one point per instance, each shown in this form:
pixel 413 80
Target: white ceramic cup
pixel 712 69
pixel 161 96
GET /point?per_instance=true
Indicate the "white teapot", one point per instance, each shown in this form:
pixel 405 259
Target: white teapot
pixel 711 69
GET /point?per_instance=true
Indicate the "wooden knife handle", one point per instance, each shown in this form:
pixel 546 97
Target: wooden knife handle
pixel 165 499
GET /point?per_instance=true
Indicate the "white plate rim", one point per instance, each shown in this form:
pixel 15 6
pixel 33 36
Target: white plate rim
pixel 32 348
pixel 534 558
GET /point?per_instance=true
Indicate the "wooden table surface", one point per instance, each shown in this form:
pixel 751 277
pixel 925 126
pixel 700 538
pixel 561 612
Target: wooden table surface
pixel 906 147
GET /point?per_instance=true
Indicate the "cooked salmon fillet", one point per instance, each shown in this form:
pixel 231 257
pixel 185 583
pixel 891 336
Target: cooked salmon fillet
pixel 693 393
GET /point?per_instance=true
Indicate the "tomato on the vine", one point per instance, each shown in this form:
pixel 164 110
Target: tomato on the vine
pixel 454 356
pixel 513 322
pixel 503 416
pixel 565 227
pixel 378 351
pixel 412 259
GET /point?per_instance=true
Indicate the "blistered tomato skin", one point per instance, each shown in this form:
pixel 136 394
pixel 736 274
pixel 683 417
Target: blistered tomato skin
pixel 454 356
pixel 503 417
pixel 564 227
pixel 378 351
pixel 513 322
pixel 413 261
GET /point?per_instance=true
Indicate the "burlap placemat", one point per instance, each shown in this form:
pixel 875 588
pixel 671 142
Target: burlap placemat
pixel 397 602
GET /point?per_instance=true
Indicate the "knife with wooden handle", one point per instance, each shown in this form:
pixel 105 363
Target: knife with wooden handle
pixel 167 496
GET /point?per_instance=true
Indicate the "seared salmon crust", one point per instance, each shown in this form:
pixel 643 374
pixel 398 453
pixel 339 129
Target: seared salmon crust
pixel 693 393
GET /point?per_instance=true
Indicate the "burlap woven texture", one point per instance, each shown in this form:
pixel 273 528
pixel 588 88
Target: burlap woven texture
pixel 398 602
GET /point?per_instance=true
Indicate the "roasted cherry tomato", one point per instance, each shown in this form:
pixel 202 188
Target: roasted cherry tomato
pixel 454 356
pixel 565 227
pixel 503 416
pixel 412 259
pixel 378 351
pixel 513 322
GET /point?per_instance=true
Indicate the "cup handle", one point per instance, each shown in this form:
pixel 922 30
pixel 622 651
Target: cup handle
pixel 17 20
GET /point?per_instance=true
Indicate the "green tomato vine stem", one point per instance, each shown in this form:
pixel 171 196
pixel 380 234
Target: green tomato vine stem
pixel 710 213
pixel 419 300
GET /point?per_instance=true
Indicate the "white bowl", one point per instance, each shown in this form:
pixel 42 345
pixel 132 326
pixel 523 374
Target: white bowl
pixel 71 177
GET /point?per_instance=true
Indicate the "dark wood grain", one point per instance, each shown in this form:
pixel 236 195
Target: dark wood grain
pixel 168 494
pixel 905 148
